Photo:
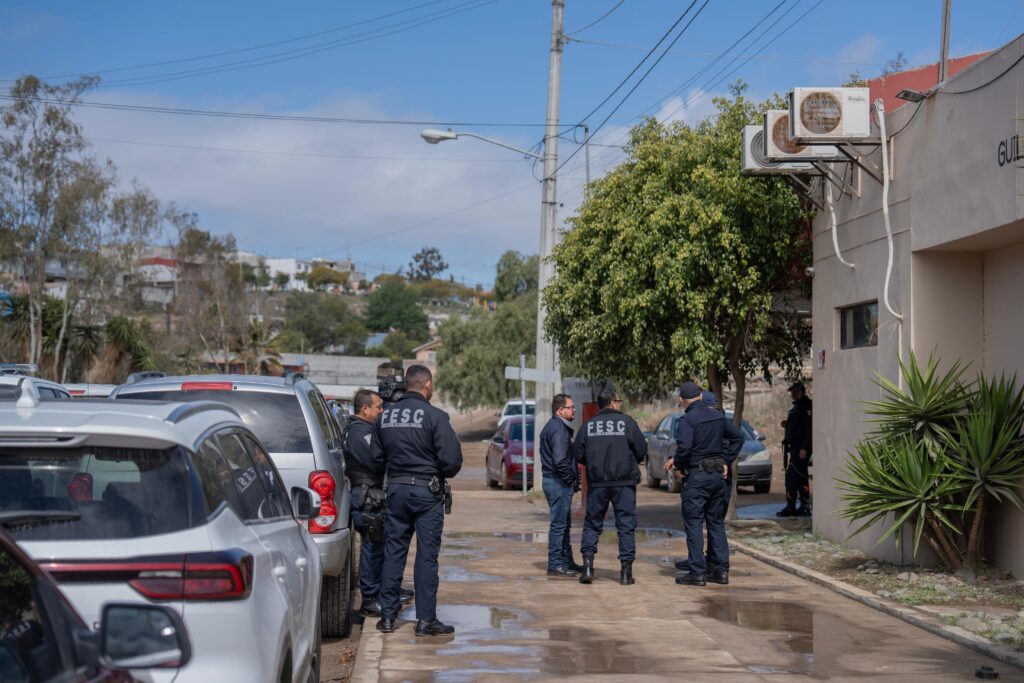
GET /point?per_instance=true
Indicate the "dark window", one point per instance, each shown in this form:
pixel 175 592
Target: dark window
pixel 278 504
pixel 238 479
pixel 207 457
pixel 275 419
pixel 107 492
pixel 323 419
pixel 858 326
pixel 31 652
pixel 517 409
pixel 665 428
pixel 515 430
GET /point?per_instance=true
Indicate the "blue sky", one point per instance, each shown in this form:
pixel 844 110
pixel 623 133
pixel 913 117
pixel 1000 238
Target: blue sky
pixel 288 189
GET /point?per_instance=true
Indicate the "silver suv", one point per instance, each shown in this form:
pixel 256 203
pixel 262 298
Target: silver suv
pixel 291 418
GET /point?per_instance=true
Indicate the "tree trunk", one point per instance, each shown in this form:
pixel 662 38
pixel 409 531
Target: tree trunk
pixel 951 555
pixel 715 382
pixel 31 331
pixel 60 336
pixel 976 537
pixel 739 378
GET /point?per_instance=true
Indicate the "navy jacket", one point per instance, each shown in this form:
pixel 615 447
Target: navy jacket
pixel 364 457
pixel 798 425
pixel 703 432
pixel 418 439
pixel 611 447
pixel 556 461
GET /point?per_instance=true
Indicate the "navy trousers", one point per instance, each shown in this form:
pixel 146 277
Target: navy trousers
pixel 371 559
pixel 798 479
pixel 704 501
pixel 559 496
pixel 411 509
pixel 623 501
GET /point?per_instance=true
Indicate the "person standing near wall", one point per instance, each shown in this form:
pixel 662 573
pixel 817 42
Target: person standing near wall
pixel 796 454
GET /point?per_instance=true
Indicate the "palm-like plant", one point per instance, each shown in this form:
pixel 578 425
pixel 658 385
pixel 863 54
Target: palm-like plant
pixel 929 405
pixel 897 478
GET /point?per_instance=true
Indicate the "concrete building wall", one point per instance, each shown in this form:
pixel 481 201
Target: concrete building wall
pixel 956 208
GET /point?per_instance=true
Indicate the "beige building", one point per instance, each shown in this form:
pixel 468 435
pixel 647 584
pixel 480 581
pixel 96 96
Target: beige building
pixel 957 213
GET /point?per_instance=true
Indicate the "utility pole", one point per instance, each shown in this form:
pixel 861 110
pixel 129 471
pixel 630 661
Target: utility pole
pixel 547 358
pixel 947 8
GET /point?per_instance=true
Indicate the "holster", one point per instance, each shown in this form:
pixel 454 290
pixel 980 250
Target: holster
pixel 447 498
pixel 710 465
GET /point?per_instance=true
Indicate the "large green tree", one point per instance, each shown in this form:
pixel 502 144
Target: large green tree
pixel 668 269
pixel 396 307
pixel 315 321
pixel 516 275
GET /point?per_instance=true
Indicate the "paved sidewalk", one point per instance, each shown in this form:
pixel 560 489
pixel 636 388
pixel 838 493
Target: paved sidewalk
pixel 513 623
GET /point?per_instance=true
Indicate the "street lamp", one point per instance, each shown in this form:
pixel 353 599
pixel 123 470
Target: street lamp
pixel 434 136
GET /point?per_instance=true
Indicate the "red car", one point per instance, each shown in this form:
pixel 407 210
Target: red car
pixel 504 463
pixel 42 638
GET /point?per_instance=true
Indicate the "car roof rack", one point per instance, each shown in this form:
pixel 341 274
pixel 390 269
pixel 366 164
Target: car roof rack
pixel 293 377
pixel 136 377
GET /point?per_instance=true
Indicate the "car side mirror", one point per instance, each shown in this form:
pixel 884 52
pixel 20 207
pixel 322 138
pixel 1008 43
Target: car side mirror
pixel 140 636
pixel 305 503
pixel 762 437
pixel 499 439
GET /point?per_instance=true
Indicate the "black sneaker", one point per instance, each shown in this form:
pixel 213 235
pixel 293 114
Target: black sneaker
pixel 433 628
pixel 683 565
pixel 369 607
pixel 386 625
pixel 406 595
pixel 691 580
pixel 786 512
pixel 719 577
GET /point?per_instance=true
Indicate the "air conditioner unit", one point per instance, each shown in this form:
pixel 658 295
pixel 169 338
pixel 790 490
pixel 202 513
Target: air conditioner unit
pixel 755 163
pixel 779 146
pixel 830 115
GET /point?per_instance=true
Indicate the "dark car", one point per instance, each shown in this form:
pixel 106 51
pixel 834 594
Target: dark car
pixel 504 463
pixel 43 639
pixel 753 466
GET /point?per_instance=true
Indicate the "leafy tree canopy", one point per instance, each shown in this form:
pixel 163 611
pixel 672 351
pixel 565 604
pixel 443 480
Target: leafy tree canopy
pixel 516 275
pixel 395 306
pixel 426 264
pixel 322 278
pixel 320 321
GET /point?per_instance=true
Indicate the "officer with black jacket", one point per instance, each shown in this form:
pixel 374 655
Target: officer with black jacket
pixel 364 466
pixel 422 452
pixel 796 453
pixel 561 481
pixel 706 445
pixel 611 447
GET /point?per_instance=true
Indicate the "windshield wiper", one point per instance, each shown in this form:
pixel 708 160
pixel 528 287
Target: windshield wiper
pixel 36 518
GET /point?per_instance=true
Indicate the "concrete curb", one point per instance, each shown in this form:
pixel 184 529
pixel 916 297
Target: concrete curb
pixel 371 647
pixel 911 616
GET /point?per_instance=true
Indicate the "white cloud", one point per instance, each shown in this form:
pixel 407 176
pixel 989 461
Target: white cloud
pixel 278 204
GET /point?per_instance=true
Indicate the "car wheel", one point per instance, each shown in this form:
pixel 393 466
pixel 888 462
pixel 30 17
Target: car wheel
pixel 491 483
pixel 314 665
pixel 763 488
pixel 336 602
pixel 675 485
pixel 652 481
pixel 357 552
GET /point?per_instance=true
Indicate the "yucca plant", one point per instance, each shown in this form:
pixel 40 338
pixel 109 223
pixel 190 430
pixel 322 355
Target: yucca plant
pixel 986 455
pixel 898 479
pixel 928 406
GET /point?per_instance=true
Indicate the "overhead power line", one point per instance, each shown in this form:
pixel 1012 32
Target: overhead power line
pixel 181 111
pixel 597 21
pixel 250 48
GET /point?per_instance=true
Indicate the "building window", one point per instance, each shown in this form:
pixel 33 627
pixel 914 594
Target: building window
pixel 858 325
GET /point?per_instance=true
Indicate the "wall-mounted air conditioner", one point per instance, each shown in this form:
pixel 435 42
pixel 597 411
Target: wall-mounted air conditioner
pixel 830 115
pixel 754 161
pixel 779 145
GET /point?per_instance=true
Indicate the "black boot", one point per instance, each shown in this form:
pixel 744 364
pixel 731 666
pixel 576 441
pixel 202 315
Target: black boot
pixel 721 577
pixel 406 595
pixel 691 580
pixel 386 625
pixel 433 628
pixel 369 607
pixel 788 511
pixel 588 570
pixel 573 566
pixel 683 565
pixel 626 577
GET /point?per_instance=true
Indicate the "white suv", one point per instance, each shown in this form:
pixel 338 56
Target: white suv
pixel 176 504
pixel 514 409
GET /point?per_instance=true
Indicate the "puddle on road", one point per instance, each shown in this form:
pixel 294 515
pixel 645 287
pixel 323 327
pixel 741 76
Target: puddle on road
pixel 447 573
pixel 643 536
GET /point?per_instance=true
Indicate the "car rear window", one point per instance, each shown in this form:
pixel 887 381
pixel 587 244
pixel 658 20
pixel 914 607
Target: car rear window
pixel 107 493
pixel 516 431
pixel 517 409
pixel 275 419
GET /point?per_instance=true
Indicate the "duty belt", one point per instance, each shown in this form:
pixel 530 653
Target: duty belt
pixel 368 482
pixel 419 480
pixel 709 465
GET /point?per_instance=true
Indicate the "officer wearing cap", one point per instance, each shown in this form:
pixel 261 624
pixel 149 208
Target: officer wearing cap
pixel 611 447
pixel 796 453
pixel 422 452
pixel 364 467
pixel 706 446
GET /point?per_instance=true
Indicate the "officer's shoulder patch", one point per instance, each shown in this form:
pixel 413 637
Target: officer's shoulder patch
pixel 368 438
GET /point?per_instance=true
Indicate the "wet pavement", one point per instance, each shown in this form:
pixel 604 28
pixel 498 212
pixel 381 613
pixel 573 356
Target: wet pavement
pixel 515 624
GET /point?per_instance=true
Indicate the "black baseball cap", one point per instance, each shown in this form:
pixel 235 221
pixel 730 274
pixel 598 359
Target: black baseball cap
pixel 796 385
pixel 688 390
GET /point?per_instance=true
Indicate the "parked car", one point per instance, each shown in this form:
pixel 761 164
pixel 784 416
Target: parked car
pixel 89 390
pixel 753 466
pixel 44 640
pixel 513 409
pixel 289 416
pixel 174 504
pixel 504 461
pixel 10 388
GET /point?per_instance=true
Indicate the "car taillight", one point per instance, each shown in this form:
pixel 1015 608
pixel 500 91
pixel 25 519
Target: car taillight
pixel 213 576
pixel 80 488
pixel 322 482
pixel 207 386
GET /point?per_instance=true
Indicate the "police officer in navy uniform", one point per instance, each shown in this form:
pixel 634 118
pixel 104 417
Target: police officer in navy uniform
pixel 796 454
pixel 422 452
pixel 706 446
pixel 611 447
pixel 364 466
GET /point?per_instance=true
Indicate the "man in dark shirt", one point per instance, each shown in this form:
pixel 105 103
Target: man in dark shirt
pixel 796 454
pixel 706 447
pixel 611 447
pixel 422 452
pixel 560 482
